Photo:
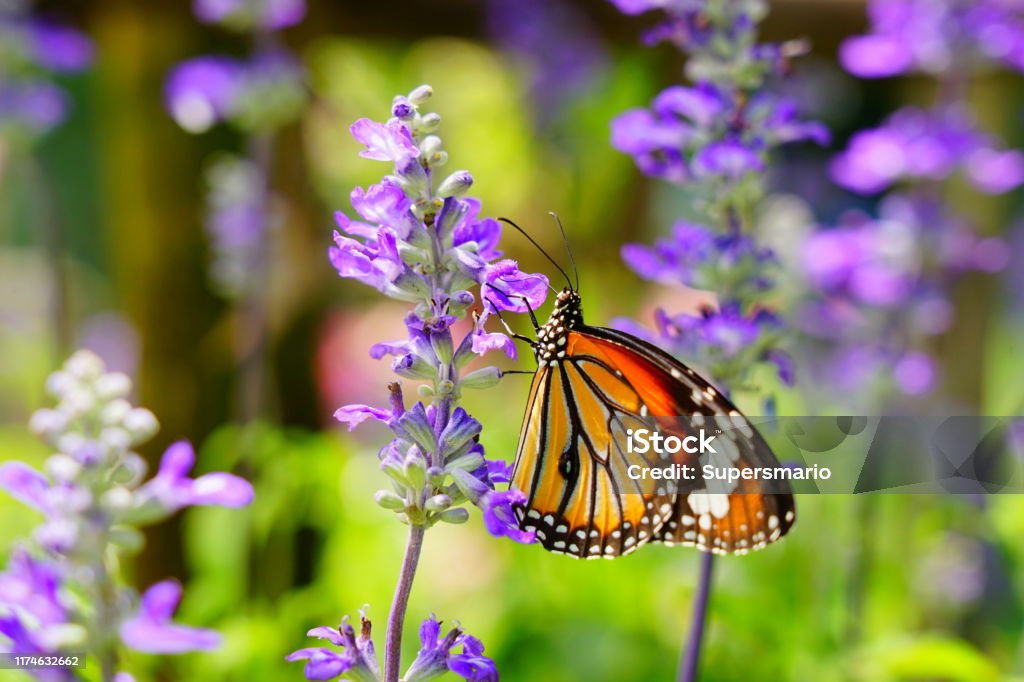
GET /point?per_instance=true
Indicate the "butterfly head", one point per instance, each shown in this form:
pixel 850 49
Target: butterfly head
pixel 554 334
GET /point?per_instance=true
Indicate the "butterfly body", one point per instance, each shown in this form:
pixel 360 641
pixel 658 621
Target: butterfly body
pixel 595 386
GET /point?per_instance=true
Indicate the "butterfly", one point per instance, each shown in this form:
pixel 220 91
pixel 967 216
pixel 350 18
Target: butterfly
pixel 594 385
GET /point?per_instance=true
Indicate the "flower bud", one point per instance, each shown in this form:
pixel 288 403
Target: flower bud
pixel 455 185
pixel 421 94
pixel 451 214
pixel 457 515
pixel 430 122
pixel 430 145
pixel 482 378
pixel 85 366
pixel 402 108
pixel 114 412
pixel 117 499
pixel 62 468
pixel 47 422
pixel 412 366
pixel 389 500
pixel 442 345
pixel 438 503
pixel 130 471
pixel 435 476
pixel 415 471
pixel 115 438
pixel 113 385
pixel 141 424
pixel 445 387
pixel 59 383
pixel 412 178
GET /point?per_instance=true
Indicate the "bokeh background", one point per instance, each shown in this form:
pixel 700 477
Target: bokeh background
pixel 102 244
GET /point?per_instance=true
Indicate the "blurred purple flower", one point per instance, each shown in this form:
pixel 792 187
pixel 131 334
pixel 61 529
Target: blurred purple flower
pixel 933 36
pixel 30 586
pixel 35 105
pixel 251 14
pixel 265 91
pixel 729 160
pixel 358 660
pixel 26 485
pixel 684 257
pixel 202 91
pixel 151 630
pixel 60 48
pixel 173 489
pixel 915 144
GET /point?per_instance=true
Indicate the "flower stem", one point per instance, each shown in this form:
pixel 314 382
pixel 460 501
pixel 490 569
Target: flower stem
pixel 396 619
pixel 691 654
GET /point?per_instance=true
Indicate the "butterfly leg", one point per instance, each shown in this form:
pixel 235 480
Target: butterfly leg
pixel 508 329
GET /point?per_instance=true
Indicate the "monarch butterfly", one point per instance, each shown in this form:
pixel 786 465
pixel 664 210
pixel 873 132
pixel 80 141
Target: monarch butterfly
pixel 591 386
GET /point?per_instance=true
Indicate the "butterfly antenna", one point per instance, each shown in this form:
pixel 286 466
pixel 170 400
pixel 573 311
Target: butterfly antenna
pixel 539 248
pixel 568 250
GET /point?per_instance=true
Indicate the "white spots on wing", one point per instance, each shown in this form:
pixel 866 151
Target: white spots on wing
pixel 630 541
pixel 688 520
pixel 665 509
pixel 773 522
pixel 697 396
pixel 705 521
pixel 716 504
pixel 560 544
pixel 643 411
pixel 549 519
pixel 562 528
pixel 789 516
pixel 690 535
pixel 533 514
pixel 542 535
pixel 581 534
pixel 675 373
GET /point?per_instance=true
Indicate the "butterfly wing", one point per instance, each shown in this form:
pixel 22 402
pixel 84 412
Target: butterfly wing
pixel 572 464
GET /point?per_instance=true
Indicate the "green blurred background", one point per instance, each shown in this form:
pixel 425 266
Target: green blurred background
pixel 879 587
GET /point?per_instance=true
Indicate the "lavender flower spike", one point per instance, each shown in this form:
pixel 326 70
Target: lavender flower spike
pixel 62 593
pixel 418 238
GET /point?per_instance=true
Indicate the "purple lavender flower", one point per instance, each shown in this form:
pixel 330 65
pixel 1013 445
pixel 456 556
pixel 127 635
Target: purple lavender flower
pixel 421 240
pixel 171 489
pixel 204 91
pixel 436 658
pixel 694 254
pixel 358 660
pixel 150 630
pixel 59 48
pixel 709 133
pixel 934 36
pixel 248 15
pixel 93 504
pixel 914 144
pixel 881 283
